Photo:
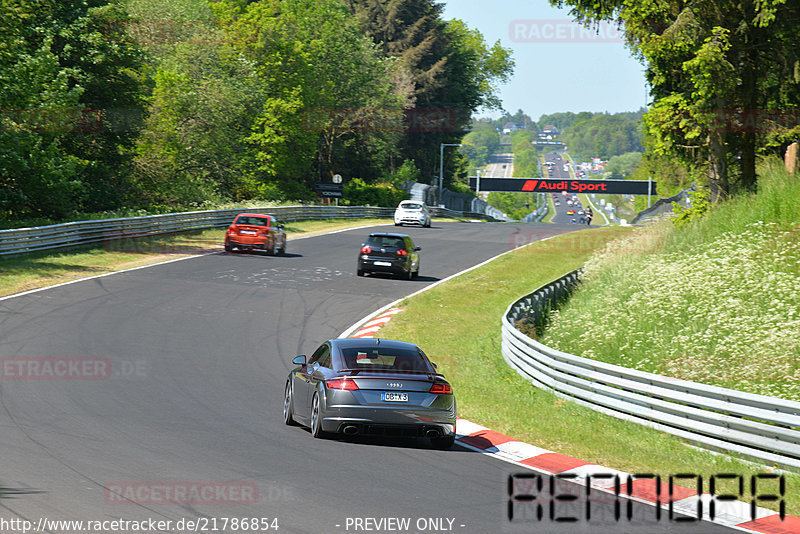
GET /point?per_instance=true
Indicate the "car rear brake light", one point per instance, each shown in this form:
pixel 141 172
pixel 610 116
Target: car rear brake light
pixel 366 249
pixel 441 388
pixel 402 252
pixel 344 384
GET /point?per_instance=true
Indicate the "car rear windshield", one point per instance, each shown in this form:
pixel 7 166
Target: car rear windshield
pixel 385 241
pixel 411 206
pixel 385 359
pixel 252 221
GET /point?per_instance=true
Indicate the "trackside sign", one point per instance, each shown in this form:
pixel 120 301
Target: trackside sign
pixel 544 185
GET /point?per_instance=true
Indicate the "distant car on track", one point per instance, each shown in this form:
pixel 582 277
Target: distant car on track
pixel 255 231
pixel 412 212
pixel 570 212
pixel 370 386
pixel 389 253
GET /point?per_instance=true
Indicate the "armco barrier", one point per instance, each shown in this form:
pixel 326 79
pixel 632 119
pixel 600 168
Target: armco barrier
pixel 57 236
pixel 758 427
pixel 664 205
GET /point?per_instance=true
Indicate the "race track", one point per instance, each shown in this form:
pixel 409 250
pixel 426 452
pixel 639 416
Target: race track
pixel 199 350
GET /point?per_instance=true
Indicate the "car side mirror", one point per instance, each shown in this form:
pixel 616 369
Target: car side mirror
pixel 434 365
pixel 417 249
pixel 299 360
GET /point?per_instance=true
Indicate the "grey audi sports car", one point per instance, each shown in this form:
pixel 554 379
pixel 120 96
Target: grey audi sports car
pixel 370 386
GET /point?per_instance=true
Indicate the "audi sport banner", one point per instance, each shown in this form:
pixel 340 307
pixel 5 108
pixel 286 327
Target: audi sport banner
pixel 545 185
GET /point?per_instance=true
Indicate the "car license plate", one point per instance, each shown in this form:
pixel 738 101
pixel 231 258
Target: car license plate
pixel 383 263
pixel 394 396
pixel 247 232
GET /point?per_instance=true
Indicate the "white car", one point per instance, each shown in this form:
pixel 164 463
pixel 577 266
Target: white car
pixel 412 212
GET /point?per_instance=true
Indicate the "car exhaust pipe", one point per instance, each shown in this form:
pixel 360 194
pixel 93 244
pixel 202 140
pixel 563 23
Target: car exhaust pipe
pixel 350 430
pixel 432 433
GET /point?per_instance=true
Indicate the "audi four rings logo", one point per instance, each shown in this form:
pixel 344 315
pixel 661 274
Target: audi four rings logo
pixel 394 385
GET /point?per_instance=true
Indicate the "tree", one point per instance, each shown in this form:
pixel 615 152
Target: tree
pixel 204 98
pixel 72 94
pixel 194 146
pixel 480 143
pixel 623 166
pixel 526 155
pixel 716 70
pixel 515 205
pixel 562 120
pixel 326 91
pixel 603 135
pixel 447 68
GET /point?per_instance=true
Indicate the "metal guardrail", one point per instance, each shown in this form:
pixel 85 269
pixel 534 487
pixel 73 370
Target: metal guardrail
pixel 766 429
pixel 58 236
pixel 446 212
pixel 540 213
pixel 664 205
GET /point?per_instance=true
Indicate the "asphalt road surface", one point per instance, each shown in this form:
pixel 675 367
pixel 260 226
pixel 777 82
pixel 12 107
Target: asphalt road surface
pixel 500 166
pixel 186 424
pixel 557 172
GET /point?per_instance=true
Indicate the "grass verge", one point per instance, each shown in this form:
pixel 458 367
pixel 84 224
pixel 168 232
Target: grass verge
pixel 551 211
pixel 624 209
pixel 42 269
pixel 716 301
pixel 489 392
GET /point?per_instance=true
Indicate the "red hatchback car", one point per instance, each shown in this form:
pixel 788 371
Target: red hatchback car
pixel 252 231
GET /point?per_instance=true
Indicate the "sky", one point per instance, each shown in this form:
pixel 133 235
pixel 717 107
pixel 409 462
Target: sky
pixel 558 66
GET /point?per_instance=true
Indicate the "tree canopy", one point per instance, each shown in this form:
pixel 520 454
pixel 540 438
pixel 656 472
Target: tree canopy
pixel 603 135
pixel 724 78
pixel 171 104
pixel 72 99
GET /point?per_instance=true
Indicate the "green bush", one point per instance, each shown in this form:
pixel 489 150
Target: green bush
pixel 408 172
pixel 458 187
pixel 358 193
pixel 701 203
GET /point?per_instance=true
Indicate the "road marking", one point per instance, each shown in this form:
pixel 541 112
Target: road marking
pixel 393 304
pixel 371 327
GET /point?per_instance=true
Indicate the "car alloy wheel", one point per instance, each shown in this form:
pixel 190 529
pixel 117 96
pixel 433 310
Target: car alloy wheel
pixel 288 412
pixel 316 423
